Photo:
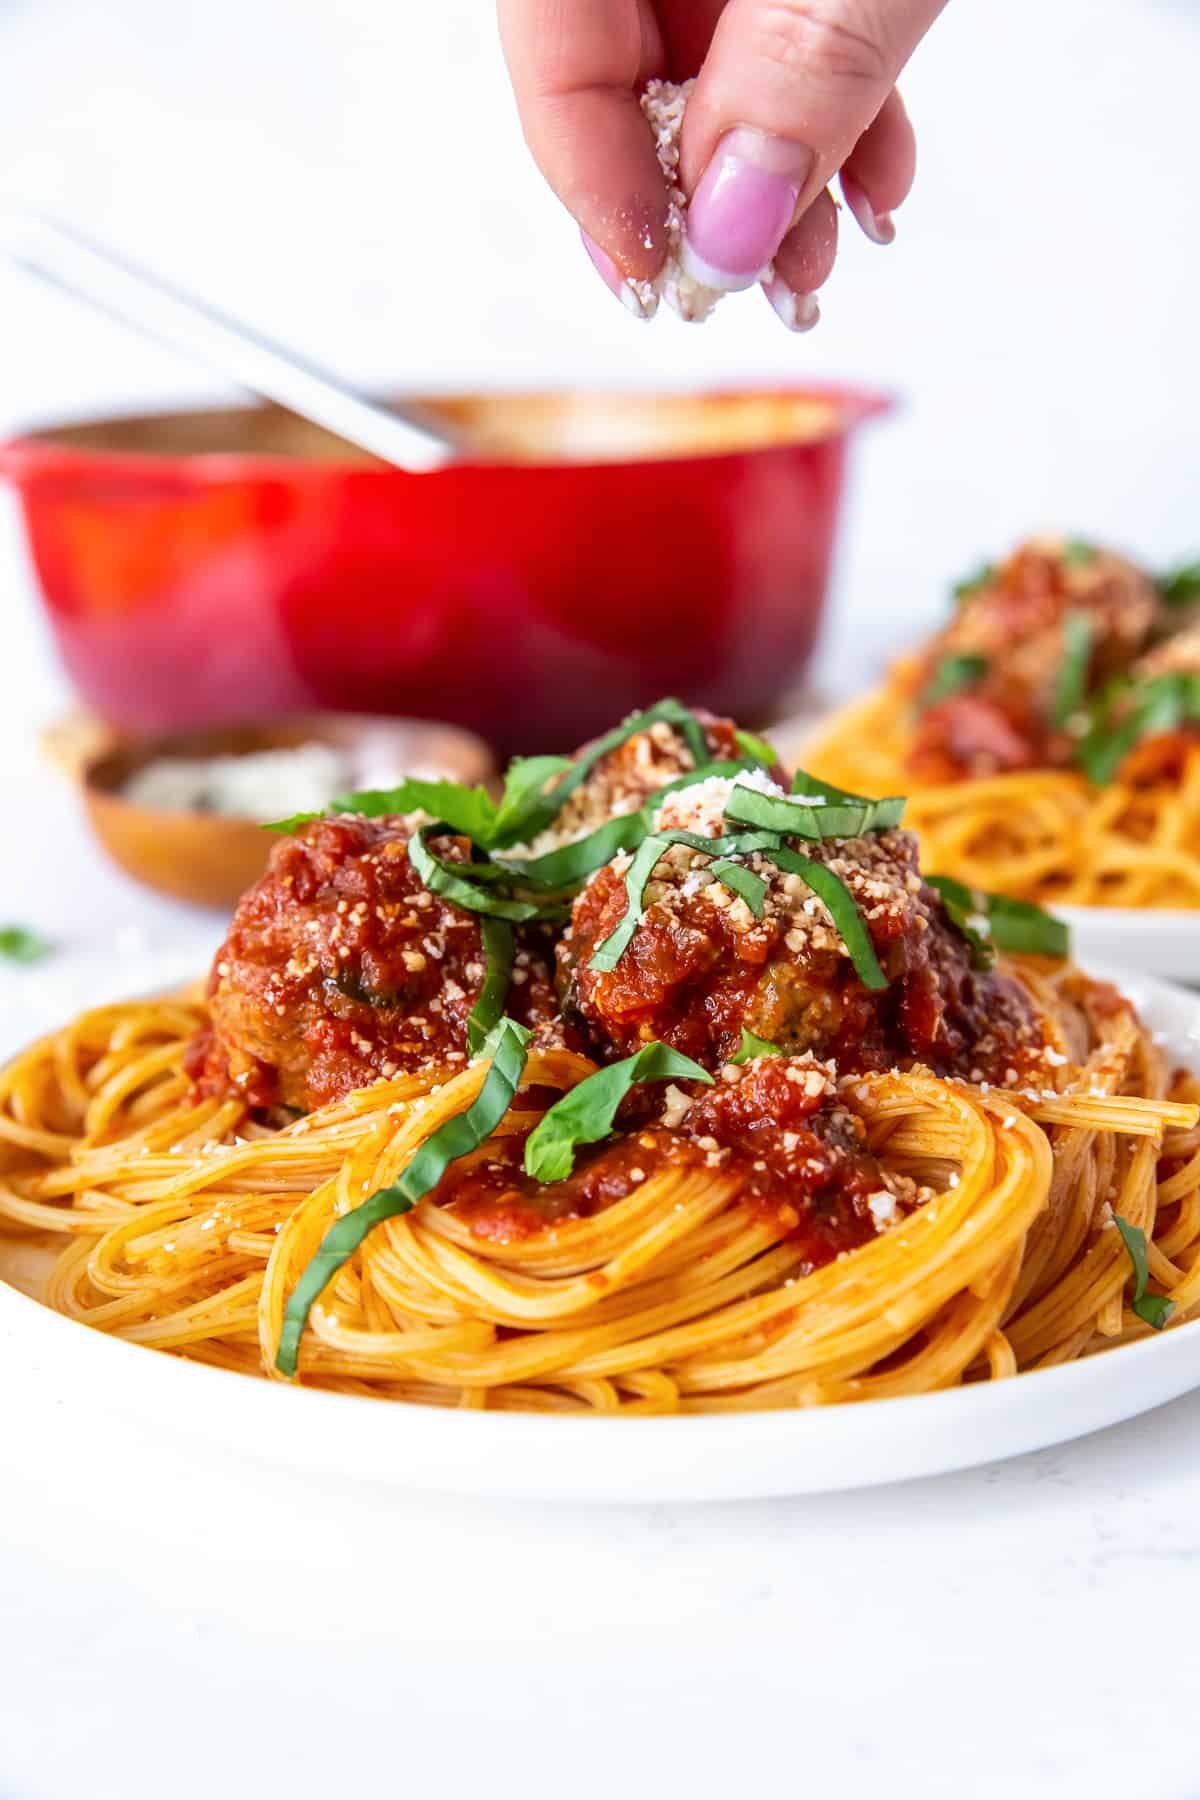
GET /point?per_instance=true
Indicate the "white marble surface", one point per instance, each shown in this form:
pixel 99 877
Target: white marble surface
pixel 168 1626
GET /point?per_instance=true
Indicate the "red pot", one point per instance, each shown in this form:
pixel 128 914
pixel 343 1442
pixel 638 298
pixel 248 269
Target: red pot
pixel 595 552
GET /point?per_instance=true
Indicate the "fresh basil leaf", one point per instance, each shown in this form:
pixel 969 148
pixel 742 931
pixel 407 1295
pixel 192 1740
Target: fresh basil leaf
pixel 885 814
pixel 508 1049
pixel 756 748
pixel 586 1114
pixel 826 819
pixel 953 675
pixel 1153 1309
pixel 571 865
pixel 1022 927
pixel 607 954
pixel 1179 587
pixel 962 906
pixel 843 910
pixel 741 881
pixel 19 944
pixel 470 811
pixel 488 1009
pixel 286 826
pixel 1145 709
pixel 1076 552
pixel 972 584
pixel 752 1047
pixel 524 797
pixel 1071 686
pixel 448 880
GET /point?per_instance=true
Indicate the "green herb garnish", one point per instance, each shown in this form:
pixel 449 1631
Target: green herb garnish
pixel 1146 709
pixel 19 944
pixel 524 796
pixel 756 748
pixel 508 1049
pixel 488 1009
pixel 843 910
pixel 972 584
pixel 962 909
pixel 285 826
pixel 752 1047
pixel 1179 587
pixel 1071 686
pixel 468 811
pixel 741 881
pixel 1153 1309
pixel 1077 551
pixel 586 1114
pixel 793 817
pixel 953 675
pixel 609 951
pixel 453 882
pixel 1015 925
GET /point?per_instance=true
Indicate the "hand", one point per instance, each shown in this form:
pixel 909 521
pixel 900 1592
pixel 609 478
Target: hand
pixel 789 93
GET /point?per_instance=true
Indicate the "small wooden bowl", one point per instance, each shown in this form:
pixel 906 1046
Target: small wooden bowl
pixel 209 858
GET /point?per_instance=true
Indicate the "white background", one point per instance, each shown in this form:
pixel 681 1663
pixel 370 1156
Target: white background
pixel 352 176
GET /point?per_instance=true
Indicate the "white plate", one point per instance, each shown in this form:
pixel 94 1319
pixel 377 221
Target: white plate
pixel 1164 943
pixel 714 1457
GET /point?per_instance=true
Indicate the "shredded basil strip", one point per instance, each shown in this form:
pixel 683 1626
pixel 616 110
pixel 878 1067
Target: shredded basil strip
pixel 953 675
pixel 827 819
pixel 1153 1309
pixel 470 811
pixel 843 910
pixel 755 747
pixel 1179 587
pixel 961 908
pixel 752 1047
pixel 607 954
pixel 1022 927
pixel 586 1114
pixel 668 712
pixel 488 1010
pixel 971 584
pixel 741 881
pixel 1077 551
pixel 1071 686
pixel 445 878
pixel 19 944
pixel 1159 705
pixel 286 826
pixel 508 1048
pixel 523 796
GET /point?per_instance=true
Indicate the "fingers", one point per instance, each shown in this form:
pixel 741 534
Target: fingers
pixel 575 67
pixel 879 171
pixel 787 90
pixel 803 263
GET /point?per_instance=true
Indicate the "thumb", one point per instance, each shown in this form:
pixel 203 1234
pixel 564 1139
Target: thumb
pixel 785 93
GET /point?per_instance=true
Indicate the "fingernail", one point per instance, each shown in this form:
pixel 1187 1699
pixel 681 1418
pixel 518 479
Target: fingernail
pixel 879 227
pixel 637 298
pixel 799 312
pixel 743 208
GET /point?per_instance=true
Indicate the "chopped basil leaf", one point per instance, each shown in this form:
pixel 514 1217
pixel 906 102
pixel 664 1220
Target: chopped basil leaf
pixel 523 797
pixel 586 1114
pixel 1180 586
pixel 843 910
pixel 488 1009
pixel 452 883
pixel 1071 686
pixel 1076 552
pixel 953 675
pixel 752 1047
pixel 741 881
pixel 1153 1309
pixel 885 813
pixel 961 908
pixel 284 826
pixel 826 819
pixel 471 811
pixel 507 1047
pixel 1162 704
pixel 19 944
pixel 1022 927
pixel 756 748
pixel 609 951
pixel 670 712
pixel 573 863
pixel 972 584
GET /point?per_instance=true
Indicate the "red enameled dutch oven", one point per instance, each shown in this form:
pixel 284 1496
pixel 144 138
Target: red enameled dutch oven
pixel 589 553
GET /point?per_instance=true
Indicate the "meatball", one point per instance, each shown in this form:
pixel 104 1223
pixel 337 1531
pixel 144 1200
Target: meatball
pixel 341 967
pixel 1014 621
pixel 700 967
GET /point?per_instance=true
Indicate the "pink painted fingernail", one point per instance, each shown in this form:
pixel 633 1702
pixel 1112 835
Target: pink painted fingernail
pixel 743 208
pixel 637 298
pixel 799 312
pixel 879 227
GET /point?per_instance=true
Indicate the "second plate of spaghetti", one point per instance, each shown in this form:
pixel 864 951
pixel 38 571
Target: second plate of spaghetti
pixel 653 1090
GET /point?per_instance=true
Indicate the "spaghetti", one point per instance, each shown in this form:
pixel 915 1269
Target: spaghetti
pixel 800 1189
pixel 1048 741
